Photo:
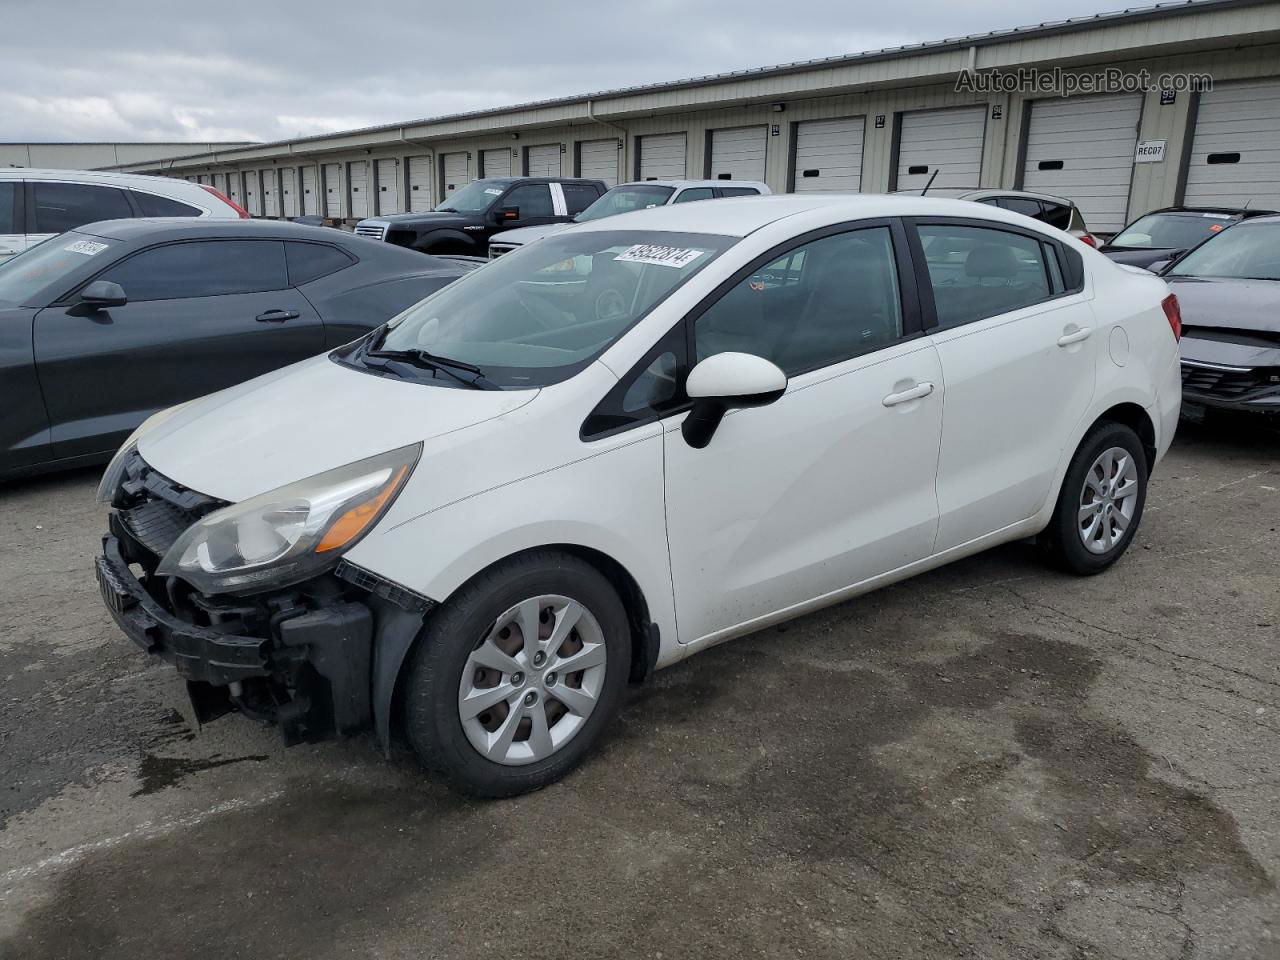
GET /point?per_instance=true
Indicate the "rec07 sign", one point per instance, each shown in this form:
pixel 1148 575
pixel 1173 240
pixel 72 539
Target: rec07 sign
pixel 1149 151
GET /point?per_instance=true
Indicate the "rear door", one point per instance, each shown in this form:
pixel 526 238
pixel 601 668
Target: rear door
pixel 202 315
pixel 13 238
pixel 54 207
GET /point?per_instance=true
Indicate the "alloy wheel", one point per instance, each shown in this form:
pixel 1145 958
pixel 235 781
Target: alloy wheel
pixel 1108 500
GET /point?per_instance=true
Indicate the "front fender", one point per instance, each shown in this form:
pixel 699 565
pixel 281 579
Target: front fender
pixel 430 241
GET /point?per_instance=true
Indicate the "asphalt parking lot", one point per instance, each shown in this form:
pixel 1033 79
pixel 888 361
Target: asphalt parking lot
pixel 992 761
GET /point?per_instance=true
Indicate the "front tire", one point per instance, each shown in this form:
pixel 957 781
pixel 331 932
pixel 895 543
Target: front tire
pixel 1101 501
pixel 517 675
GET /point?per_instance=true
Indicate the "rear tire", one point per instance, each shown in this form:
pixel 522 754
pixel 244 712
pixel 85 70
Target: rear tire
pixel 497 717
pixel 1101 501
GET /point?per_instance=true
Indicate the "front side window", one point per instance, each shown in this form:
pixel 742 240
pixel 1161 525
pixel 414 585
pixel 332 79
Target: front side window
pixel 818 304
pixel 24 276
pixel 532 199
pixel 541 313
pixel 476 197
pixel 155 206
pixel 64 206
pixel 1248 251
pixel 578 196
pixel 626 199
pixel 1171 231
pixel 201 268
pixel 9 208
pixel 978 272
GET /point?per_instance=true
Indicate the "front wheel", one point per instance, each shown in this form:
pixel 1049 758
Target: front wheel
pixel 517 675
pixel 1101 501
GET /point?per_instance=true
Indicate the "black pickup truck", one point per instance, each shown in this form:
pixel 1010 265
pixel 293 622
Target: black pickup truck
pixel 464 220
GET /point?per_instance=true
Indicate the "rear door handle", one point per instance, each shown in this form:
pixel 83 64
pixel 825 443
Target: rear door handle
pixel 1075 336
pixel 906 396
pixel 277 316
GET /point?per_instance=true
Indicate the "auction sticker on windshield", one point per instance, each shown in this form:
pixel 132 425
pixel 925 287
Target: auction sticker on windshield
pixel 86 247
pixel 659 255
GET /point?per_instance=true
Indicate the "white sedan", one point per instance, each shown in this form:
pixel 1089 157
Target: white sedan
pixel 625 443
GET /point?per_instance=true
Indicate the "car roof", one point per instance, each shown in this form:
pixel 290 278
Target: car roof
pixel 740 216
pixel 1213 208
pixel 169 228
pixel 690 183
pixel 975 193
pixel 88 176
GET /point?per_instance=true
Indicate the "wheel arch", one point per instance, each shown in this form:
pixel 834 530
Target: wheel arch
pixel 1136 418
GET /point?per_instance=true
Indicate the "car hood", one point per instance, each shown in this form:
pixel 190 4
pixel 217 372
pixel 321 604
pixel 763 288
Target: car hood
pixel 1238 304
pixel 305 419
pixel 431 218
pixel 529 234
pixel 1141 258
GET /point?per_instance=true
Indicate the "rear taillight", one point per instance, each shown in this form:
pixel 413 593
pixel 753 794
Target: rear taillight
pixel 1089 239
pixel 244 214
pixel 1174 313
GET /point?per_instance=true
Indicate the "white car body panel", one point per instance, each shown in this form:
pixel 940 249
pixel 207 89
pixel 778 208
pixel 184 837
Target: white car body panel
pixel 785 511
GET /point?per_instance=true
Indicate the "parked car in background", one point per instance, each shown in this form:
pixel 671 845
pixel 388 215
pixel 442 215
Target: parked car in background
pixel 464 221
pixel 626 197
pixel 103 326
pixel 1167 234
pixel 38 204
pixel 1229 289
pixel 627 443
pixel 1055 211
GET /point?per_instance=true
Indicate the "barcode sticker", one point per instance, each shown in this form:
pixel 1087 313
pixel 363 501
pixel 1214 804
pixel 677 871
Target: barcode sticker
pixel 86 247
pixel 659 255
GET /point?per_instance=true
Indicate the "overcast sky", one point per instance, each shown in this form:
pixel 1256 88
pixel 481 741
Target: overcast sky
pixel 231 70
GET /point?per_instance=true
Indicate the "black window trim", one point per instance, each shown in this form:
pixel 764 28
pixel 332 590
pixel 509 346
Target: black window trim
pixel 1073 278
pixel 912 322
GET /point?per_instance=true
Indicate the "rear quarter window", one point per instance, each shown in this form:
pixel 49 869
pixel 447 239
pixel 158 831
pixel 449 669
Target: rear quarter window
pixel 311 261
pixel 156 206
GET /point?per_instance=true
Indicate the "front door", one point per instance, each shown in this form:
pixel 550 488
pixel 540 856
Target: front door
pixel 202 315
pixel 833 483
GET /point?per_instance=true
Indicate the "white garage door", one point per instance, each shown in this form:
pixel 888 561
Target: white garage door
pixel 495 163
pixel 738 154
pixel 543 161
pixel 235 190
pixel 270 197
pixel 332 173
pixel 358 183
pixel 455 172
pixel 662 157
pixel 388 176
pixel 289 192
pixel 310 197
pixel 1082 148
pixel 829 154
pixel 598 160
pixel 948 141
pixel 419 184
pixel 253 193
pixel 1235 155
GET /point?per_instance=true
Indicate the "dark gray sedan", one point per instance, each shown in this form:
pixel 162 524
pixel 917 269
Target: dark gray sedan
pixel 105 325
pixel 1228 289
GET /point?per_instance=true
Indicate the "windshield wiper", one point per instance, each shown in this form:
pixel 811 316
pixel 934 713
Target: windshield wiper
pixel 430 361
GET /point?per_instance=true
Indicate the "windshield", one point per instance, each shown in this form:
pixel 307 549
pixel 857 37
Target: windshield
pixel 1171 231
pixel 476 197
pixel 540 314
pixel 25 275
pixel 1250 251
pixel 626 199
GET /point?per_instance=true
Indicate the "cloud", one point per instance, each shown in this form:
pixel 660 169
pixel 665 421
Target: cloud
pixel 144 70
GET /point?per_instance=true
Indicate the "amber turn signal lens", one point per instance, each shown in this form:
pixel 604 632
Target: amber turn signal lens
pixel 352 523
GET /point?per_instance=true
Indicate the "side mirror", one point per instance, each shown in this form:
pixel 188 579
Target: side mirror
pixel 507 214
pixel 724 382
pixel 102 294
pixel 1159 265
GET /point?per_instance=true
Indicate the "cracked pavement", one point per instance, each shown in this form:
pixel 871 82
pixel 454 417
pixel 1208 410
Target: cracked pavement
pixel 993 760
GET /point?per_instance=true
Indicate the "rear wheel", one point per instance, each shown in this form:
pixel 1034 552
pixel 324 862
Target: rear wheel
pixel 516 676
pixel 1101 501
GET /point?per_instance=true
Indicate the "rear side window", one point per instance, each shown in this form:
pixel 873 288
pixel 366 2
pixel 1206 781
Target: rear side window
pixel 1023 205
pixel 978 272
pixel 694 193
pixel 579 196
pixel 201 268
pixel 311 261
pixel 1056 215
pixel 153 206
pixel 64 206
pixel 739 192
pixel 9 208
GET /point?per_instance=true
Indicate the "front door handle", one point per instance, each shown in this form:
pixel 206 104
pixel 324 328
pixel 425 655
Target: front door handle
pixel 1075 336
pixel 906 396
pixel 277 316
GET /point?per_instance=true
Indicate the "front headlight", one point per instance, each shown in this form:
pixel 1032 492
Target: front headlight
pixel 111 476
pixel 291 533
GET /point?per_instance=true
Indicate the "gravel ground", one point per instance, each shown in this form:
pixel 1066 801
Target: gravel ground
pixel 989 761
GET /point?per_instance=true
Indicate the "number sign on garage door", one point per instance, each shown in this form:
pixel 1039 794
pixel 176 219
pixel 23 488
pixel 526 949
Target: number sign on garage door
pixel 495 163
pixel 332 173
pixel 1082 148
pixel 829 154
pixel 358 182
pixel 542 161
pixel 419 184
pixel 946 141
pixel 738 154
pixel 598 160
pixel 454 166
pixel 1235 152
pixel 387 174
pixel 310 197
pixel 662 157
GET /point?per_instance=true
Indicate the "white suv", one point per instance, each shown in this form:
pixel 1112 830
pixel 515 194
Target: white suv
pixel 626 197
pixel 38 204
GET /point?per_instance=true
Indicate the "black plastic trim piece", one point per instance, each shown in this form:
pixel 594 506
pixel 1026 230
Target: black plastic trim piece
pixel 380 586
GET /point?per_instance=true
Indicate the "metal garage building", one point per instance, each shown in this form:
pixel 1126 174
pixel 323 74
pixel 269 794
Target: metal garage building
pixel 875 121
